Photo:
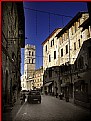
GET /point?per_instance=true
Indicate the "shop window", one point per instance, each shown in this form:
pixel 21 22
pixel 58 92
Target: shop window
pixel 85 87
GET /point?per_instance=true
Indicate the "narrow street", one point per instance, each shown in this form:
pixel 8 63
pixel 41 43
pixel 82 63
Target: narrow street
pixel 51 109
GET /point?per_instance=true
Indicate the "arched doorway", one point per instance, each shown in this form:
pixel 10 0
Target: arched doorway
pixel 6 87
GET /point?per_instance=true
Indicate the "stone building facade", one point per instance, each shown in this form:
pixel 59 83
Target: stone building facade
pixel 70 39
pixel 51 81
pixel 13 35
pixel 50 50
pixel 36 81
pixel 82 71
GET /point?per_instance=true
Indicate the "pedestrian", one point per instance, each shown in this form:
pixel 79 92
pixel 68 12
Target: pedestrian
pixel 24 97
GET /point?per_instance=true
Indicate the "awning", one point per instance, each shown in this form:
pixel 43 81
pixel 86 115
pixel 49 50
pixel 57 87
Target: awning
pixel 65 84
pixel 47 84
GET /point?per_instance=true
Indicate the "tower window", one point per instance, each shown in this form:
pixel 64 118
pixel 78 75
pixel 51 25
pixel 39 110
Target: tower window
pixel 29 53
pixel 32 53
pixel 33 61
pixel 29 60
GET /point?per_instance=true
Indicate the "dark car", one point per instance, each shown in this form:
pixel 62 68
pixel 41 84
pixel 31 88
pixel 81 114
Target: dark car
pixel 34 95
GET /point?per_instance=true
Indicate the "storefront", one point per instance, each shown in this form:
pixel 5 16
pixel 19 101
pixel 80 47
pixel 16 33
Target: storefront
pixel 81 93
pixel 49 88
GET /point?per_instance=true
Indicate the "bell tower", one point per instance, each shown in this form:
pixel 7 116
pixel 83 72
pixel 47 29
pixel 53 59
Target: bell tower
pixel 29 61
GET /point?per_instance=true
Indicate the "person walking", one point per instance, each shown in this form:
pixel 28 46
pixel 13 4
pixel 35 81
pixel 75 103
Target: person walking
pixel 24 97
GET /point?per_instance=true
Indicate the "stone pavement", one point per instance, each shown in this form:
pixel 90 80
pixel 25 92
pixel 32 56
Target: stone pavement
pixel 10 114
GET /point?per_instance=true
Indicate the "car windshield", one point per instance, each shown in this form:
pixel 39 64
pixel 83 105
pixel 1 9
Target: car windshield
pixel 34 93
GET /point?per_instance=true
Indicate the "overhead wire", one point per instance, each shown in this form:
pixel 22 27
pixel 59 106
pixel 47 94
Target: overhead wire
pixel 47 12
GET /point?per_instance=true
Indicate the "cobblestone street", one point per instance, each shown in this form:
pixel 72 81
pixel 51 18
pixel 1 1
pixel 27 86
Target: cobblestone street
pixel 50 109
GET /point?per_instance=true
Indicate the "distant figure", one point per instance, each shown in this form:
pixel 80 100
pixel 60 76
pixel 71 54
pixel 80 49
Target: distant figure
pixel 24 97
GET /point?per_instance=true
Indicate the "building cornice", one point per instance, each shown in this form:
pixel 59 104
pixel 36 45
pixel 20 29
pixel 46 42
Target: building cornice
pixel 51 35
pixel 78 15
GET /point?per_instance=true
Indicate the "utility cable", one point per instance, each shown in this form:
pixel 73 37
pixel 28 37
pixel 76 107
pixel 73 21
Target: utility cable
pixel 47 12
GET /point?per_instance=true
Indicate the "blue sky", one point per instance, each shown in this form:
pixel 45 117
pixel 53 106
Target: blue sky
pixel 39 24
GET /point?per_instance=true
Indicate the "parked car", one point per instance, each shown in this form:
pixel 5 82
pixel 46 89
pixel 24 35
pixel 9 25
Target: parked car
pixel 34 95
